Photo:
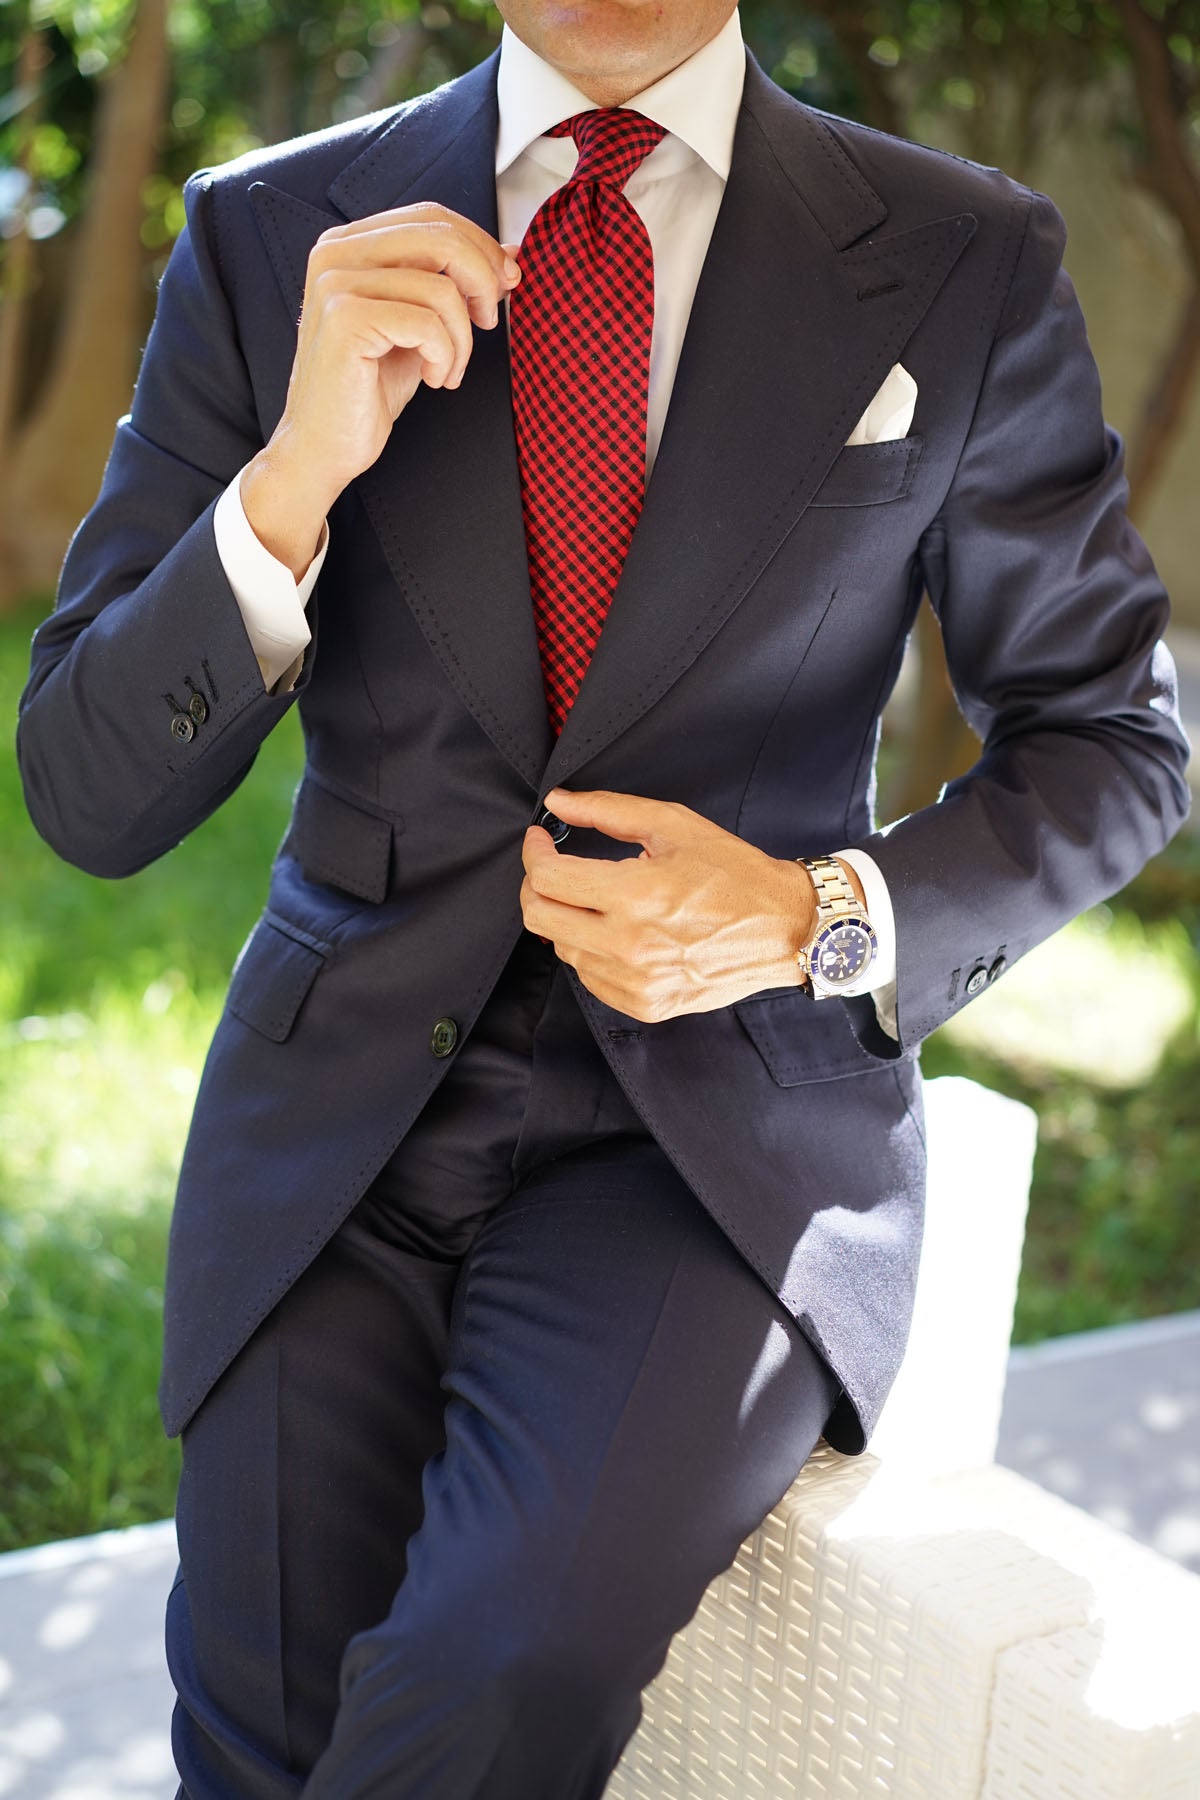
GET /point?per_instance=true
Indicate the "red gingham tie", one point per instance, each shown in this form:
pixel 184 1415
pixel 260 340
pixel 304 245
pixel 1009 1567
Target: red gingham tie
pixel 580 322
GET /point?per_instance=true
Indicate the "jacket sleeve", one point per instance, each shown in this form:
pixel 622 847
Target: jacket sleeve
pixel 1052 617
pixel 145 704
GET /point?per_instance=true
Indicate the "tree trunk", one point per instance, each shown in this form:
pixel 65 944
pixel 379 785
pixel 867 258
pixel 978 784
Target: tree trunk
pixel 18 273
pixel 1165 412
pixel 60 449
pixel 391 67
pixel 855 30
pixel 276 107
pixel 1168 171
pixel 939 743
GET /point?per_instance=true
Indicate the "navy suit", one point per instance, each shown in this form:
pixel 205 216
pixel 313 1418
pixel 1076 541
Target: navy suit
pixel 752 643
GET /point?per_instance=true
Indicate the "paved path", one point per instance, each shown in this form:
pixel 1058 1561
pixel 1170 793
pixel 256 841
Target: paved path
pixel 85 1699
pixel 1109 1419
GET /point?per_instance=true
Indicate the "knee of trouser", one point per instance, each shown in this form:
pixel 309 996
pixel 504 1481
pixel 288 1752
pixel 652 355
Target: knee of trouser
pixel 554 1678
pixel 518 1660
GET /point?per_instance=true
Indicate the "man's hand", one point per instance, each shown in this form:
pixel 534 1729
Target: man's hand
pixel 389 302
pixel 700 919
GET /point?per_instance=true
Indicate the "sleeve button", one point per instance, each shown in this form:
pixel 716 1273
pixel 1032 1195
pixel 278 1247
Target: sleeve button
pixel 998 968
pixel 977 980
pixel 445 1036
pixel 198 708
pixel 182 728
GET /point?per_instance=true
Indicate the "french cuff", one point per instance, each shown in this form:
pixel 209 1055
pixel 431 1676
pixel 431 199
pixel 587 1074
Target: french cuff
pixel 880 979
pixel 270 599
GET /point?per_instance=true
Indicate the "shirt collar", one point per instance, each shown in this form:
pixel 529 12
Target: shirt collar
pixel 697 102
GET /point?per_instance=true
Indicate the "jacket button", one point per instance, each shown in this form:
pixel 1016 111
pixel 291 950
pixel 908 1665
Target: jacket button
pixel 977 980
pixel 554 825
pixel 998 967
pixel 198 707
pixel 445 1036
pixel 182 728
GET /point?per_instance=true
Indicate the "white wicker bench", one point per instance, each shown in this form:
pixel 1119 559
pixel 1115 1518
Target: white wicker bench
pixel 918 1623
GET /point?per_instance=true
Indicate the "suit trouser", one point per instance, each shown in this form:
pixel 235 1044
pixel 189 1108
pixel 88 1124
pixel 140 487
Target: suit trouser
pixel 440 1518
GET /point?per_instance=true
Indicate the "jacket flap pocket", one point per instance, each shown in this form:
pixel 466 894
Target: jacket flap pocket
pixel 272 975
pixel 341 843
pixel 869 474
pixel 814 1040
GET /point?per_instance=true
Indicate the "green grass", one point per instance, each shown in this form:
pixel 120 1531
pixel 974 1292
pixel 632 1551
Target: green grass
pixel 108 996
pixel 109 992
pixel 1113 1232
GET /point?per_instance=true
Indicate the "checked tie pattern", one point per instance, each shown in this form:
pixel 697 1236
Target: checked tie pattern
pixel 580 323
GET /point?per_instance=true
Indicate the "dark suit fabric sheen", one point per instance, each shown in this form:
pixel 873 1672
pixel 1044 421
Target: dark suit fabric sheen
pixel 752 642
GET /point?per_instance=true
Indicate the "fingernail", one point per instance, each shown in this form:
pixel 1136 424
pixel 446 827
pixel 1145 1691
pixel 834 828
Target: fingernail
pixel 511 269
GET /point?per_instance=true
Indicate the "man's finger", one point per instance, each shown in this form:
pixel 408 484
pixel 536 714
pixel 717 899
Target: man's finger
pixel 407 287
pixel 633 818
pixel 445 241
pixel 392 324
pixel 411 247
pixel 578 880
pixel 571 925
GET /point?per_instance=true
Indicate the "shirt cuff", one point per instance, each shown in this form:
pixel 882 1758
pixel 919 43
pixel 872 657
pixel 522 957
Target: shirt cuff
pixel 880 979
pixel 270 599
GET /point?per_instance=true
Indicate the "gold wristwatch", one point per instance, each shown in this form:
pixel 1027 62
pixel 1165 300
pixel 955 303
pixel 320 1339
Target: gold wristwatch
pixel 843 944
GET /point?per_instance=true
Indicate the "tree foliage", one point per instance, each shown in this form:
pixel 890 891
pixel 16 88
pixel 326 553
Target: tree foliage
pixel 997 79
pixel 245 72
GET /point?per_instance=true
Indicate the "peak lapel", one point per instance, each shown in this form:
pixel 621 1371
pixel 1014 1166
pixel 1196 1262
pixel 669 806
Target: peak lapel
pixel 444 496
pixel 795 323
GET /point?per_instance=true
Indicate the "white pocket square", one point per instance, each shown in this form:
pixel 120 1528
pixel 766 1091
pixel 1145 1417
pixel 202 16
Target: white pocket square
pixel 890 412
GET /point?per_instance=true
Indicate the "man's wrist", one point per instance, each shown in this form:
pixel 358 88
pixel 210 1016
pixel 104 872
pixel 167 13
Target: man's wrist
pixel 800 914
pixel 284 513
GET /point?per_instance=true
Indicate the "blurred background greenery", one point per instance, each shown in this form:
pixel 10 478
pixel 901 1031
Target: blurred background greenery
pixel 109 992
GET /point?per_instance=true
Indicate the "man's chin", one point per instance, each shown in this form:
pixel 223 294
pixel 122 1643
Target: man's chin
pixel 594 41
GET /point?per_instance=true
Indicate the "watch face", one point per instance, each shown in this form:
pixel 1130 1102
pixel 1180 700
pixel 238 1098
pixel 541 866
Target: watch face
pixel 843 951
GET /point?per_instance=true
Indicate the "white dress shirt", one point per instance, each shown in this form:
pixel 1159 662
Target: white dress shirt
pixel 677 192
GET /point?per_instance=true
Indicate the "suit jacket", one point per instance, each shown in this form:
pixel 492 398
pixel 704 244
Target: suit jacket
pixel 755 635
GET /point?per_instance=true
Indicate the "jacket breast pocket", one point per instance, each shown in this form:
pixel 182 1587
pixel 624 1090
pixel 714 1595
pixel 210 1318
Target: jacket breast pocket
pixel 339 842
pixel 871 474
pixel 802 1040
pixel 275 969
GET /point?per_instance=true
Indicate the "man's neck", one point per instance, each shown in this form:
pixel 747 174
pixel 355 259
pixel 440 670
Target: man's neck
pixel 616 87
pixel 615 90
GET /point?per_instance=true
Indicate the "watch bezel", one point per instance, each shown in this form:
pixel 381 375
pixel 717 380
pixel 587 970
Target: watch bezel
pixel 820 987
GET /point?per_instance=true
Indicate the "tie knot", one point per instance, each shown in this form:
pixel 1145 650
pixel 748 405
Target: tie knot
pixel 612 142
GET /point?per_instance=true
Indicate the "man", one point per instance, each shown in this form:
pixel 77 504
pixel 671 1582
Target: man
pixel 543 1205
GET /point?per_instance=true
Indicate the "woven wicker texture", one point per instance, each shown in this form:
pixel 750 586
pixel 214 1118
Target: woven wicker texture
pixel 1074 1714
pixel 880 1635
